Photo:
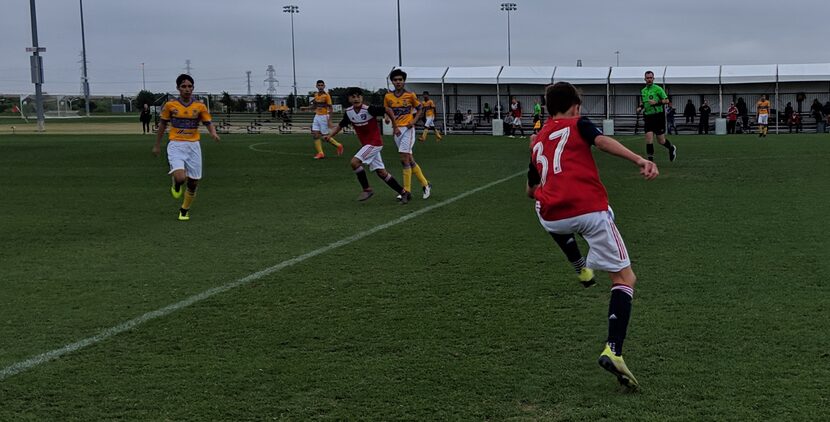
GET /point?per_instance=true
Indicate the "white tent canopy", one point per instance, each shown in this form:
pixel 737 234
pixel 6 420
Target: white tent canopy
pixel 424 75
pixel 804 72
pixel 581 75
pixel 748 74
pixel 537 75
pixel 635 74
pixel 473 75
pixel 704 75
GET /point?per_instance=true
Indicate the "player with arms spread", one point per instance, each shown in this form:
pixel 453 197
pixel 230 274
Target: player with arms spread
pixel 363 118
pixel 570 198
pixel 184 153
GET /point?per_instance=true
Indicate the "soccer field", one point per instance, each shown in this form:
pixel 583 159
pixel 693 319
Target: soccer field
pixel 457 307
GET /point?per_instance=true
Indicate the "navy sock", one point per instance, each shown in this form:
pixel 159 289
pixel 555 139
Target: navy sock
pixel 619 313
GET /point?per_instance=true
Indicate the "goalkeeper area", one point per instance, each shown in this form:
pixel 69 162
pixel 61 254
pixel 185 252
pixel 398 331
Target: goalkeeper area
pixel 284 298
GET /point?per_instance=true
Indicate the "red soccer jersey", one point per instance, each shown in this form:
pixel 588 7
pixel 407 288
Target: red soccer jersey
pixel 564 168
pixel 365 124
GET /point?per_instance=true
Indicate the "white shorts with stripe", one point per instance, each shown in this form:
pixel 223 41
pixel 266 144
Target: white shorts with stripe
pixel 187 156
pixel 320 124
pixel 429 122
pixel 763 119
pixel 606 247
pixel 405 140
pixel 370 155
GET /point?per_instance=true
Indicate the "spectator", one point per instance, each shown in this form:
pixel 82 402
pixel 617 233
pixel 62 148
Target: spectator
pixel 731 118
pixel 743 113
pixel 825 112
pixel 794 120
pixel 273 109
pixel 788 112
pixel 457 118
pixel 144 118
pixel 516 113
pixel 637 113
pixel 671 112
pixel 815 111
pixel 689 112
pixel 469 121
pixel 488 113
pixel 705 111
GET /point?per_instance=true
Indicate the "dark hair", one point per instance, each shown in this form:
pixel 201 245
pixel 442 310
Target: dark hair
pixel 320 81
pixel 560 96
pixel 426 92
pixel 184 77
pixel 647 72
pixel 354 91
pixel 397 72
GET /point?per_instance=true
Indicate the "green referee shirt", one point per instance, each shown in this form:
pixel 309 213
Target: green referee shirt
pixel 653 92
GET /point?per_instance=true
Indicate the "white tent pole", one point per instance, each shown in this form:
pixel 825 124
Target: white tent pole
pixel 720 92
pixel 777 104
pixel 608 95
pixel 444 99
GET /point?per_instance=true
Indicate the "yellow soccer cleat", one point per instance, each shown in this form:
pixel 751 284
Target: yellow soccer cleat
pixel 177 194
pixel 616 365
pixel 184 215
pixel 586 277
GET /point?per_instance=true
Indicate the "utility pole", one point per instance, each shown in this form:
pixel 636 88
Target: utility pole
pixel 83 52
pixel 187 67
pixel 248 73
pixel 143 80
pixel 508 7
pixel 292 9
pixel 400 60
pixel 37 69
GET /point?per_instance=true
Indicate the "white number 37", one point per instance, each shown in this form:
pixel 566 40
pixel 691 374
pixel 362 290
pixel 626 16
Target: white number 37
pixel 538 149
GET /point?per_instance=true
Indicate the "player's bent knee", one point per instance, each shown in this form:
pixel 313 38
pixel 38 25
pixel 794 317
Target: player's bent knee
pixel 382 173
pixel 625 276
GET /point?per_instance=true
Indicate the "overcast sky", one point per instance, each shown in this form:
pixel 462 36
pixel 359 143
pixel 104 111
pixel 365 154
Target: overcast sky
pixel 348 42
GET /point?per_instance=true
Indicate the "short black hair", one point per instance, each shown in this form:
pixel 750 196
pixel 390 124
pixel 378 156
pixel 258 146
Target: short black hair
pixel 647 72
pixel 320 81
pixel 184 77
pixel 426 92
pixel 354 90
pixel 561 96
pixel 397 72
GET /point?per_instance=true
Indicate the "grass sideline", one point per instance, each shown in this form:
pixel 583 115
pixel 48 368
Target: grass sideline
pixel 465 312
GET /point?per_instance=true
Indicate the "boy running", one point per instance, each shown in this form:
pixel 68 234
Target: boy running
pixel 429 120
pixel 363 118
pixel 402 103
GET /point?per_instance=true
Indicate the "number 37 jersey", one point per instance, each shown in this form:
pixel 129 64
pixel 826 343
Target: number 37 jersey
pixel 563 167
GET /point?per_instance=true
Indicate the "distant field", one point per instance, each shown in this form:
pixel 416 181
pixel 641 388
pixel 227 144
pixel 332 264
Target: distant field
pixel 458 307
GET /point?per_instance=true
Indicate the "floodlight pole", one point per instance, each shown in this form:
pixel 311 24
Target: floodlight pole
pixel 83 53
pixel 37 70
pixel 508 7
pixel 292 9
pixel 618 57
pixel 400 60
pixel 143 79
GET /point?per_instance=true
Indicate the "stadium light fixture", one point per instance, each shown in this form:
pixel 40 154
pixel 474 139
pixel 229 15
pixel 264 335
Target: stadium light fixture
pixel 508 7
pixel 292 9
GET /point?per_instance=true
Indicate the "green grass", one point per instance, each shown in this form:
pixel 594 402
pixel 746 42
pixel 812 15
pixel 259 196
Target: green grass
pixel 468 311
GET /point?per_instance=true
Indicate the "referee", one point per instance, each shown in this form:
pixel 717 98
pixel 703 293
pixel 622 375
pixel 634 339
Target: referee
pixel 654 117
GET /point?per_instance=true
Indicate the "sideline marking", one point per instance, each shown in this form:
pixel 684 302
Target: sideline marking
pixel 42 358
pixel 251 147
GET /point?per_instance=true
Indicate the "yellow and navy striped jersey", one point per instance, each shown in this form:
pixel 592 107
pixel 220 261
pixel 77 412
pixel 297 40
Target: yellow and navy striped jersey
pixel 322 102
pixel 429 108
pixel 763 107
pixel 404 106
pixel 184 119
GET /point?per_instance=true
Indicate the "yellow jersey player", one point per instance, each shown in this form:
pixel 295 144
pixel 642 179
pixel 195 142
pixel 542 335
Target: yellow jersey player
pixel 763 116
pixel 429 120
pixel 406 108
pixel 320 125
pixel 183 151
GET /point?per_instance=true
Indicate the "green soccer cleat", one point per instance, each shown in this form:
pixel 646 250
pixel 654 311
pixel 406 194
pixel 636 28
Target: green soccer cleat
pixel 616 365
pixel 177 193
pixel 184 215
pixel 586 277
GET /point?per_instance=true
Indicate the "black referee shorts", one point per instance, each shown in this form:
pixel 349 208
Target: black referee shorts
pixel 655 123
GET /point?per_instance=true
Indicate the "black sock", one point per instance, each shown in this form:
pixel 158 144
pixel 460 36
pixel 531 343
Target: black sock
pixel 567 242
pixel 361 177
pixel 619 312
pixel 668 144
pixel 650 150
pixel 392 183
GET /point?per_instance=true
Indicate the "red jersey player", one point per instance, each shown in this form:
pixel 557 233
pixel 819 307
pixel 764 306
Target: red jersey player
pixel 363 118
pixel 570 198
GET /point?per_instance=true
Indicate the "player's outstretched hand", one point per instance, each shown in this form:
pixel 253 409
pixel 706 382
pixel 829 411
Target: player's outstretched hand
pixel 648 169
pixel 397 131
pixel 156 150
pixel 326 138
pixel 216 137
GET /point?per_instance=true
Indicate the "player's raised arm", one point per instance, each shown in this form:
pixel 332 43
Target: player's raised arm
pixel 610 145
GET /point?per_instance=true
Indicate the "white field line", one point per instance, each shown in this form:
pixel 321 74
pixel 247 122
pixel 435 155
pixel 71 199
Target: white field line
pixel 42 358
pixel 253 148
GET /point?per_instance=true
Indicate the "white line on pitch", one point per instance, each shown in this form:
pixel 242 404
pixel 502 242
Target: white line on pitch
pixel 251 147
pixel 42 358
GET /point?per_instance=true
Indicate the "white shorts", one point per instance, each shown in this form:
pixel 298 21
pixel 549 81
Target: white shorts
pixel 370 155
pixel 185 156
pixel 405 140
pixel 320 124
pixel 429 122
pixel 763 119
pixel 606 247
